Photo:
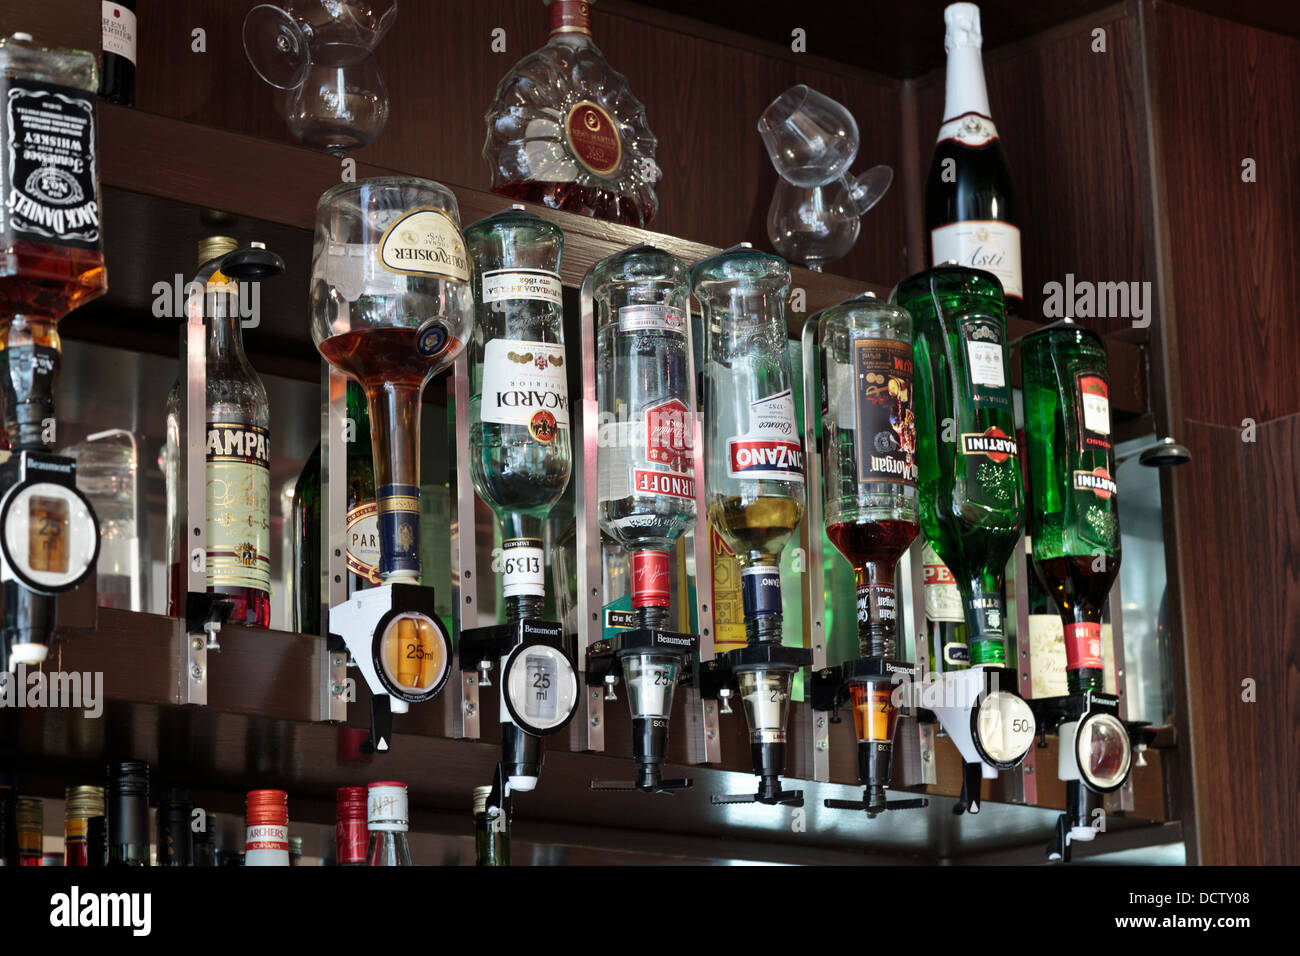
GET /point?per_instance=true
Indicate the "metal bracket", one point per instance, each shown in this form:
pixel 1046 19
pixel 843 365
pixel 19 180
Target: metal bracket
pixel 464 696
pixel 589 725
pixel 1023 780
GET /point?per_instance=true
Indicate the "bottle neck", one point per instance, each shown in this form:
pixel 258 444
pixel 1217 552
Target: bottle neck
pixel 965 91
pixel 571 19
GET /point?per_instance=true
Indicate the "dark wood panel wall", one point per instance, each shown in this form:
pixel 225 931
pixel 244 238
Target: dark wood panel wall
pixel 1227 93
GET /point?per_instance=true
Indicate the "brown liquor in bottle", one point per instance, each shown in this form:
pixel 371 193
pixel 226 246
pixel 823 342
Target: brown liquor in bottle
pixel 873 548
pixel 1080 586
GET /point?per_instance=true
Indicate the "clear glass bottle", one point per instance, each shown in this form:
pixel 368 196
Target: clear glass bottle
pixel 869 454
pixel 387 817
pixel 646 399
pixel 564 129
pixel 755 474
pixel 520 436
pixel 237 461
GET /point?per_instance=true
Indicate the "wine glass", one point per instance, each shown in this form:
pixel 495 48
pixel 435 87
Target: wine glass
pixel 391 307
pixel 811 139
pixel 811 225
pixel 341 103
pixel 281 41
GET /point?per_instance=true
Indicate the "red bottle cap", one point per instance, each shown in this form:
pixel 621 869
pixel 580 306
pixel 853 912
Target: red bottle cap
pixel 351 803
pixel 267 808
pixel 650 579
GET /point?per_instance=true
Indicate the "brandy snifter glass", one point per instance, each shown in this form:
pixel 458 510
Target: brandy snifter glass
pixel 391 307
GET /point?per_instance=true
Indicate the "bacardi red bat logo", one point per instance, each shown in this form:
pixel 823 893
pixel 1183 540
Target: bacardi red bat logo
pixel 1098 481
pixel 542 426
pixel 669 435
pixel 993 443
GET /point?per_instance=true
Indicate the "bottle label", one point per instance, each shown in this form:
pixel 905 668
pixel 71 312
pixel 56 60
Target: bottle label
pixel 1098 481
pixel 522 561
pixel 877 603
pixel 986 361
pixel 238 506
pixel 1047 656
pixel 512 285
pixel 886 423
pixel 728 606
pixel 988 244
pixel 651 318
pixel 760 590
pixel 363 541
pixel 386 808
pixel 651 579
pixel 653 455
pixel 524 383
pixel 955 655
pixel 593 137
pixel 993 443
pixel 425 241
pixel 119 30
pixel 942 599
pixel 48 179
pixel 987 616
pixel 570 16
pixel 971 129
pixel 1082 646
pixel 770 449
pixel 399 529
pixel 264 836
pixel 1094 411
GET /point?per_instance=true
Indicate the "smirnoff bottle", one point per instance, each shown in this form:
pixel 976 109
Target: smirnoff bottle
pixel 520 446
pixel 755 457
pixel 967 458
pixel 646 398
pixel 237 462
pixel 970 208
pixel 869 432
pixel 565 130
pixel 1074 519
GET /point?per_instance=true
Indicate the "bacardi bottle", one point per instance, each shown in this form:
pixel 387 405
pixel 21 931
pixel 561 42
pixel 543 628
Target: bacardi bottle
pixel 970 208
pixel 237 456
pixel 646 399
pixel 755 457
pixel 967 457
pixel 565 130
pixel 1074 518
pixel 869 457
pixel 520 445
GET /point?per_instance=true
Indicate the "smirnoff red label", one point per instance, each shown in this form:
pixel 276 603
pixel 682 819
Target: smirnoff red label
pixel 993 443
pixel 1082 646
pixel 650 579
pixel 770 449
pixel 647 482
pixel 668 462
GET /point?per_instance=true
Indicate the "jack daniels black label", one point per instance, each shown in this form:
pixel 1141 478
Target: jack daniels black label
pixel 47 147
pixel 886 422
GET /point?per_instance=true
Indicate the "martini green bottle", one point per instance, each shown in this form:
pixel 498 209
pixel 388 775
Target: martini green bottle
pixel 1074 518
pixel 967 460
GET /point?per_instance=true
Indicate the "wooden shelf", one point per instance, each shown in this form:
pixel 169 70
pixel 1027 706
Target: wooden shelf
pixel 259 730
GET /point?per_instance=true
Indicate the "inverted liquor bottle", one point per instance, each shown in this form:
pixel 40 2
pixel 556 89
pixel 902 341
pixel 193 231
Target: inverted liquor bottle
pixel 945 621
pixel 869 456
pixel 391 307
pixel 969 203
pixel 967 458
pixel 755 475
pixel 237 461
pixel 520 436
pixel 1074 518
pixel 564 129
pixel 51 260
pixel 646 399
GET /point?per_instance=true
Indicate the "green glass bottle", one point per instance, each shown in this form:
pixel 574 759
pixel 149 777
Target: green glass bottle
pixel 491 831
pixel 362 519
pixel 967 459
pixel 1074 518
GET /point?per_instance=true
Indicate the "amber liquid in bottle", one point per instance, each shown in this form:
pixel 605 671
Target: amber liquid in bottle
pixel 873 548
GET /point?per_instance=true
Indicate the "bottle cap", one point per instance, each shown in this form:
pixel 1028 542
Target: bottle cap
pixel 23 37
pixel 211 247
pixel 129 777
pixel 267 808
pixel 963 23
pixel 387 805
pixel 351 803
pixel 175 797
pixel 83 801
pixel 30 813
pixel 481 795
